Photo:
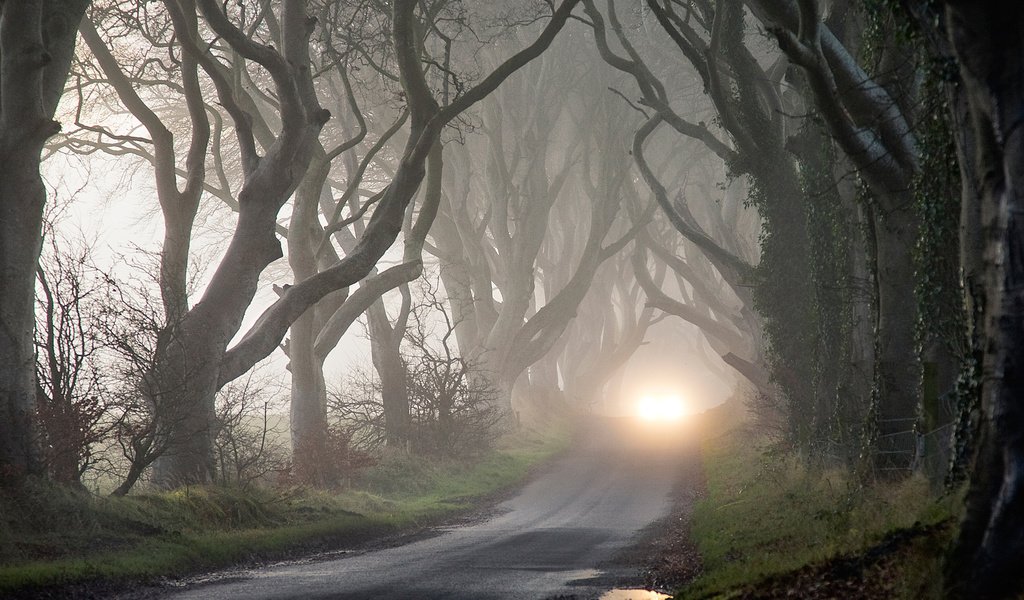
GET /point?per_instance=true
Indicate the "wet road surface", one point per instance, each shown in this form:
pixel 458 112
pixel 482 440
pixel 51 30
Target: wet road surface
pixel 558 537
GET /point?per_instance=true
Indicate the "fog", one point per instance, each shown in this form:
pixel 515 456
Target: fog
pixel 311 244
pixel 544 182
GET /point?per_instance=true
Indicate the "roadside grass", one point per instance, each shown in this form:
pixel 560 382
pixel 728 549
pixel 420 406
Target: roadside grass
pixel 769 521
pixel 52 536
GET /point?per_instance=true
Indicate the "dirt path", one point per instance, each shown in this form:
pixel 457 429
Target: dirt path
pixel 665 556
pixel 570 533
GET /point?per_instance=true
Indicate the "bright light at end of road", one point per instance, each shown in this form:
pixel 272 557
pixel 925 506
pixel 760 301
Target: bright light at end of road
pixel 661 408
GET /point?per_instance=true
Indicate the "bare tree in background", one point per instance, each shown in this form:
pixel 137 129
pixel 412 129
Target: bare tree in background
pixel 249 444
pixel 491 234
pixel 75 381
pixel 449 409
pixel 611 325
pixel 453 412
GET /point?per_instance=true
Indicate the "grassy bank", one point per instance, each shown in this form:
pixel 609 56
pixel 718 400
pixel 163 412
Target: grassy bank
pixel 768 527
pixel 51 536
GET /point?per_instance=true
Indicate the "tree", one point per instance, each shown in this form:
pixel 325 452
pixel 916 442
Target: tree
pixel 248 448
pixel 747 99
pixel 152 89
pixel 74 381
pixel 196 360
pixel 37 41
pixel 385 346
pixel 491 236
pixel 452 412
pixel 990 53
pixel 869 122
pixel 611 326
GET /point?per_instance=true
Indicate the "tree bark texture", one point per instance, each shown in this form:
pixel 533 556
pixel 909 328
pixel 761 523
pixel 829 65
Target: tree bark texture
pixel 898 369
pixel 37 41
pixel 385 351
pixel 308 406
pixel 986 559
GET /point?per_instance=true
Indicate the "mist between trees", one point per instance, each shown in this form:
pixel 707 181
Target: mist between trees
pixel 816 203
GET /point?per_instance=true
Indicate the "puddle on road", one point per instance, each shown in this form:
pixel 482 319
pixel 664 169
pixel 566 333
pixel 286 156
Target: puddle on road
pixel 637 594
pixel 620 594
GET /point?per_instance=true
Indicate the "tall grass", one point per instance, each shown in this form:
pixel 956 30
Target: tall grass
pixel 765 515
pixel 52 536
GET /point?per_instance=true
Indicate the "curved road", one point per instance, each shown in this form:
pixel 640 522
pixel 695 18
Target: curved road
pixel 557 538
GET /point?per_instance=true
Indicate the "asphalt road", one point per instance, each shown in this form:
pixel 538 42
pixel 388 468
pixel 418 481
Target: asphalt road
pixel 563 535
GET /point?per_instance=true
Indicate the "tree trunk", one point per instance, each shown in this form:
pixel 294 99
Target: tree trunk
pixel 898 369
pixel 37 41
pixel 21 213
pixel 186 371
pixel 182 388
pixel 861 373
pixel 385 345
pixel 986 559
pixel 308 406
pixel 544 376
pixel 457 284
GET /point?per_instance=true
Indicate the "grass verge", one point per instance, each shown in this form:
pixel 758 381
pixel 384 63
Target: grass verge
pixel 52 537
pixel 768 527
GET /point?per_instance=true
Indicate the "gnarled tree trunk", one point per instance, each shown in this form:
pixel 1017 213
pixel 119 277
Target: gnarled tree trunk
pixel 37 41
pixel 986 560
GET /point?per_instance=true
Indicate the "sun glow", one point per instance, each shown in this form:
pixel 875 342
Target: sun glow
pixel 669 407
